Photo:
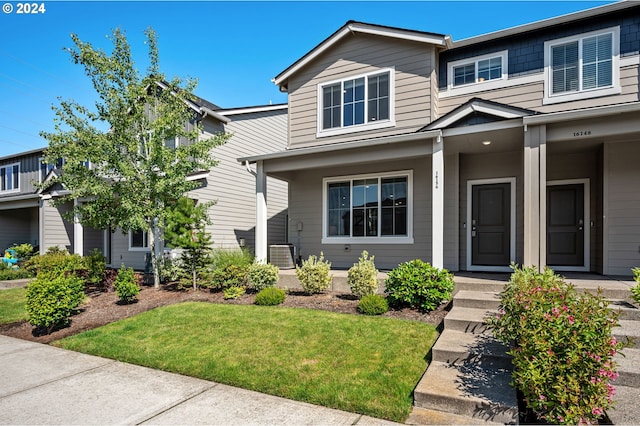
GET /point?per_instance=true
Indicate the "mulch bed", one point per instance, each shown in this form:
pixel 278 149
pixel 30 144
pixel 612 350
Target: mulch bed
pixel 103 308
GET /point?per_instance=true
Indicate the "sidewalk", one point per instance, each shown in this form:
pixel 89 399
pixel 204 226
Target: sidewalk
pixel 41 384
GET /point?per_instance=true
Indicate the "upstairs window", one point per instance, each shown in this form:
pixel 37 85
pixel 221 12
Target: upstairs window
pixel 10 178
pixel 582 66
pixel 478 69
pixel 362 101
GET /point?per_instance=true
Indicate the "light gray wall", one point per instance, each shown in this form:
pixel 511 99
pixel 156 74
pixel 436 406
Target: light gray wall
pixel 622 207
pixel 358 54
pixel 306 189
pixel 120 253
pixel 233 187
pixel 56 231
pixel 18 226
pixel 29 173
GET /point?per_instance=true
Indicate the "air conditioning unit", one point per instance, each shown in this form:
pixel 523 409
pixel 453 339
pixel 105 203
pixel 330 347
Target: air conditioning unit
pixel 282 256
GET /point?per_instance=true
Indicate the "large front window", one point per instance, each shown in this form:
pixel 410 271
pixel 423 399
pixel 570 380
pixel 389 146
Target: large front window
pixel 582 66
pixel 367 207
pixel 10 178
pixel 359 101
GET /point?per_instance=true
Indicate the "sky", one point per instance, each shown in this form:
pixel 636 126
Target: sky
pixel 233 48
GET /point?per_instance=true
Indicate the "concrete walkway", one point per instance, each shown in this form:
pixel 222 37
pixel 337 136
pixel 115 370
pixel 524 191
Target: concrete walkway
pixel 41 384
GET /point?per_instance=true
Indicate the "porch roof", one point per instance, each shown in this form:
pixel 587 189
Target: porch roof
pixel 297 152
pixel 496 110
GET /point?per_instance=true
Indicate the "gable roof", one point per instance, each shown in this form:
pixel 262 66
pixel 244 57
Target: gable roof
pixel 487 111
pixel 358 27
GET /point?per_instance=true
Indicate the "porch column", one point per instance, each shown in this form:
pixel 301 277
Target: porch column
pixel 534 196
pixel 78 232
pixel 261 213
pixel 437 203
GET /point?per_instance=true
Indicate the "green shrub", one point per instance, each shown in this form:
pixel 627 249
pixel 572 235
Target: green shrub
pixel 419 285
pixel 23 251
pixel 9 273
pixel 228 276
pixel 373 304
pixel 314 274
pixel 126 285
pixel 362 277
pixel 270 296
pixel 562 346
pixel 95 263
pixel 263 275
pixel 57 261
pixel 234 292
pixel 635 291
pixel 224 257
pixel 52 298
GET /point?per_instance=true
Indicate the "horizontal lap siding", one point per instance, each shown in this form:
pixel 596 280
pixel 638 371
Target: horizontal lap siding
pixel 57 232
pixel 120 254
pixel 306 190
pixel 360 54
pixel 233 187
pixel 622 211
pixel 531 95
pixel 18 226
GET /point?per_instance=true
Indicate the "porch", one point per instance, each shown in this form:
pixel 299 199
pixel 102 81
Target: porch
pixel 613 287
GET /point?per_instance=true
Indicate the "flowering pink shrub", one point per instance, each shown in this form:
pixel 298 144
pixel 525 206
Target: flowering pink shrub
pixel 562 346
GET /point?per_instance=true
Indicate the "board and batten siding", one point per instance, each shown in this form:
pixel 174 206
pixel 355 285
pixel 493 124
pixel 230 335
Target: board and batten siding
pixel 29 173
pixel 530 95
pixel 232 187
pixel 414 75
pixel 306 189
pixel 621 207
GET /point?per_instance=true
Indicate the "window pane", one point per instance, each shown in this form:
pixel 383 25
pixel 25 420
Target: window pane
pixel 16 175
pixel 331 106
pixel 348 115
pixel 605 77
pixel 358 114
pixel 394 201
pixel 490 69
pixel 464 74
pixel 339 212
pixel 378 105
pixel 138 239
pixel 372 222
pixel 358 222
pixel 3 179
pixel 564 64
pixel 597 62
pixel 400 221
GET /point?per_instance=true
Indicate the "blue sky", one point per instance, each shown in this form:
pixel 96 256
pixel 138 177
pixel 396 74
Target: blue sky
pixel 234 49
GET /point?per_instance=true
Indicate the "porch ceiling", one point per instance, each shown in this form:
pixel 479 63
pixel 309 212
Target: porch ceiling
pixel 501 140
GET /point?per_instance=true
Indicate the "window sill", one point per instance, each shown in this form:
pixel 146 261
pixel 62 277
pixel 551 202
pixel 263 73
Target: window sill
pixel 142 249
pixel 355 129
pixel 576 96
pixel 367 240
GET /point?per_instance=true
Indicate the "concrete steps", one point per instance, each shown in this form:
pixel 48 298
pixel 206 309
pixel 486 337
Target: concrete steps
pixel 628 330
pixel 467 381
pixel 628 368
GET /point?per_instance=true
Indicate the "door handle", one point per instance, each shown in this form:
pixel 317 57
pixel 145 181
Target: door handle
pixel 580 225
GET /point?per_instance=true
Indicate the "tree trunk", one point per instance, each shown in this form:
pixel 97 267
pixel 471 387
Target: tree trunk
pixel 156 248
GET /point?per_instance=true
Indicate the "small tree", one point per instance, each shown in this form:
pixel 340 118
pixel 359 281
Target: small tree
pixel 186 228
pixel 133 174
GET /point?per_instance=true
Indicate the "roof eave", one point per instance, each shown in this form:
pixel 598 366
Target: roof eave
pixel 357 27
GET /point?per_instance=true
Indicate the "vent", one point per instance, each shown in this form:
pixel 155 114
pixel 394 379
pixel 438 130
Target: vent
pixel 281 255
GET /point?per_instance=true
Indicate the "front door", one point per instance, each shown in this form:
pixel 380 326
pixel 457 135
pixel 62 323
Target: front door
pixel 491 224
pixel 565 225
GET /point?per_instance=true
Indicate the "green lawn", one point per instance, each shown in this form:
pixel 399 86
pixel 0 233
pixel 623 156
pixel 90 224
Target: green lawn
pixel 12 305
pixel 367 365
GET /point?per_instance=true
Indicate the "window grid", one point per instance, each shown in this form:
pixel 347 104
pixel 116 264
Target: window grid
pixel 369 207
pixel 478 71
pixel 10 178
pixel 356 101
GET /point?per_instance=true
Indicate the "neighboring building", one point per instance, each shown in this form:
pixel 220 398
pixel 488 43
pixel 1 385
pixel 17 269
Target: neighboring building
pixel 27 215
pixel 520 145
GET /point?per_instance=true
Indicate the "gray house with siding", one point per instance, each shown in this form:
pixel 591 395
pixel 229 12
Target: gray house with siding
pixel 28 215
pixel 516 146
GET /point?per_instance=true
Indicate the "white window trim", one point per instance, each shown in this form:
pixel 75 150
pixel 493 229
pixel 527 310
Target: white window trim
pixel 391 122
pixel 130 236
pixel 408 239
pixel 504 54
pixel 17 189
pixel 614 89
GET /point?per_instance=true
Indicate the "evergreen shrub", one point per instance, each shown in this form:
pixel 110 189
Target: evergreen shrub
pixel 270 296
pixel 419 285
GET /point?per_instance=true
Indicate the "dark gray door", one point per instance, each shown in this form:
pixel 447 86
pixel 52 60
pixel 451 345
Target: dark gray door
pixel 565 225
pixel 491 224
